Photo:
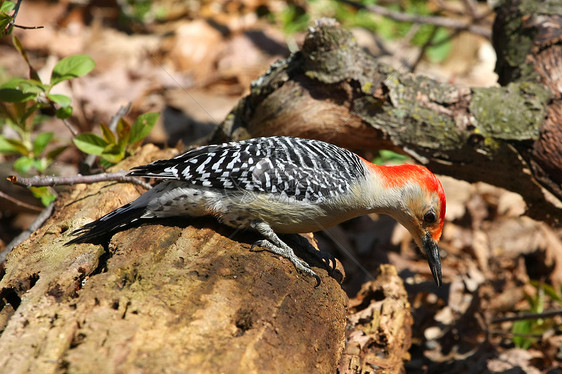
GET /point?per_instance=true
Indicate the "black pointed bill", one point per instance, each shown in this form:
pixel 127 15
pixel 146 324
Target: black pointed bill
pixel 434 260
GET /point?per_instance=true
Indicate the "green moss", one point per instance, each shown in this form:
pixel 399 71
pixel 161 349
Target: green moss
pixel 550 7
pixel 491 143
pixel 510 113
pixel 366 88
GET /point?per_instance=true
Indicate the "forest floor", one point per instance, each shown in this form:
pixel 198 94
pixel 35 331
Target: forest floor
pixel 194 64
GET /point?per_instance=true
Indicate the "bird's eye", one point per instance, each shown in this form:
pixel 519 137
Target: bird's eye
pixel 430 217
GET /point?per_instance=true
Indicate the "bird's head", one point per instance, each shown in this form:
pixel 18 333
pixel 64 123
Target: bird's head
pixel 421 208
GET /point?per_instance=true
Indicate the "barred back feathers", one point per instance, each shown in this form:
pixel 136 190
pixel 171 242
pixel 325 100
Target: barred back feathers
pixel 307 170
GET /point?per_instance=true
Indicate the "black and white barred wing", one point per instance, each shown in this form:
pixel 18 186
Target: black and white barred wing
pixel 208 166
pixel 312 181
pixel 307 170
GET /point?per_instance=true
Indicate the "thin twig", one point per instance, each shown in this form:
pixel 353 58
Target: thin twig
pixel 35 225
pixel 470 6
pixel 12 23
pixel 21 203
pixel 121 112
pixel 429 20
pixel 67 123
pixel 550 313
pixel 423 49
pixel 27 27
pixel 512 334
pixel 120 176
pixel 455 33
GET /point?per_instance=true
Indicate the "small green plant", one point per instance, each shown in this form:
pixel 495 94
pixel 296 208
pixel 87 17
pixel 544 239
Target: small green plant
pixel 388 157
pixel 23 103
pixel 524 331
pixel 118 144
pixel 5 18
pixel 292 19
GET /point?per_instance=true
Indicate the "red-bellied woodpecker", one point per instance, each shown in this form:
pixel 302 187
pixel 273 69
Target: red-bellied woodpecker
pixel 284 185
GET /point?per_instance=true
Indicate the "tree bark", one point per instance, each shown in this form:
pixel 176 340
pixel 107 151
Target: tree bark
pixel 507 136
pixel 379 327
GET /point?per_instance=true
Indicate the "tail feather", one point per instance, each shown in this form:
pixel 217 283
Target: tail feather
pixel 108 225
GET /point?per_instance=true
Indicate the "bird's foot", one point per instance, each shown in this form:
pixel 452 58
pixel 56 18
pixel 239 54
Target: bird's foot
pixel 325 257
pixel 288 253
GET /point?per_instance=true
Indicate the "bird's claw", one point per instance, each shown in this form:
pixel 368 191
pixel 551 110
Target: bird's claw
pixel 299 264
pixel 329 260
pixel 258 243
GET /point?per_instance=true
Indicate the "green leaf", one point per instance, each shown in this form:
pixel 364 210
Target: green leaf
pixel 524 328
pixel 32 86
pixel 62 100
pixel 123 133
pixel 388 157
pixel 7 6
pixel 107 133
pixel 12 83
pixel 5 20
pixel 90 143
pixel 64 112
pixel 54 153
pixel 14 95
pixel 31 110
pixel 442 46
pixel 40 164
pixel 17 145
pixel 6 147
pixel 41 141
pixel 113 153
pixel 43 193
pixel 142 126
pixel 23 164
pixel 72 67
pixel 20 90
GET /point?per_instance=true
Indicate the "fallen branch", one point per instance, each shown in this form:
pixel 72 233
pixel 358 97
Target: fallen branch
pixel 120 176
pixel 20 203
pixel 525 316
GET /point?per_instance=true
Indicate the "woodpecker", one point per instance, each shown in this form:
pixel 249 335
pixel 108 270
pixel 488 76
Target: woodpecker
pixel 284 185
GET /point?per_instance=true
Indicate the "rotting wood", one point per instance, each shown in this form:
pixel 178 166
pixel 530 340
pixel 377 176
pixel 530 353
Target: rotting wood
pixel 175 294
